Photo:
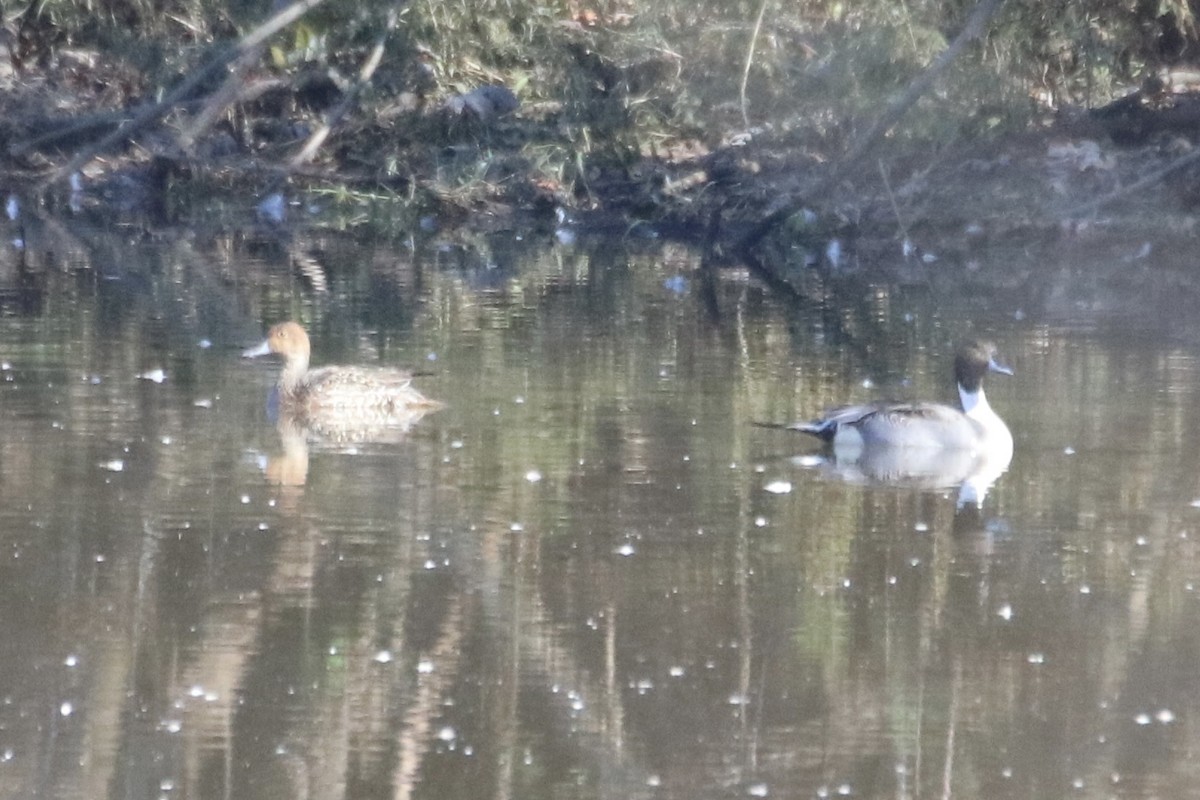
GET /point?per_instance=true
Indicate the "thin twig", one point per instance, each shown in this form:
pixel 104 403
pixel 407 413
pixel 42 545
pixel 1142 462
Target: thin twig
pixel 1135 187
pixel 762 9
pixel 973 28
pixel 334 117
pixel 153 113
pixel 887 185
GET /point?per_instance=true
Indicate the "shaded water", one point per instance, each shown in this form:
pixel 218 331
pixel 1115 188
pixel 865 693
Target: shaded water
pixel 590 575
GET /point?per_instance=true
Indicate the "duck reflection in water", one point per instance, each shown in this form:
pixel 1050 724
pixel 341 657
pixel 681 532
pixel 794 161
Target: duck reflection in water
pixel 335 405
pixel 923 445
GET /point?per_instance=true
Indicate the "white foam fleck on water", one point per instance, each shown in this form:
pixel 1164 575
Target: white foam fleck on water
pixel 778 487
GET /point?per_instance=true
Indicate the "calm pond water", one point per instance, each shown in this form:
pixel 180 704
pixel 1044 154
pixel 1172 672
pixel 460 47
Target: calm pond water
pixel 590 575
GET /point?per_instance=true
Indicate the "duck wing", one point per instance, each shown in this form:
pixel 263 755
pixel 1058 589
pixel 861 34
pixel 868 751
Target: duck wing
pixel 357 389
pixel 915 425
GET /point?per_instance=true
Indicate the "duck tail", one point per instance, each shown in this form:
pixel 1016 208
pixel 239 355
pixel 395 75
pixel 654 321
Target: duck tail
pixel 822 429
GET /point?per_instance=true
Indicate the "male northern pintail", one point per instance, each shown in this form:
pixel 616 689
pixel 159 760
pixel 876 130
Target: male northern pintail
pixel 925 444
pixel 336 393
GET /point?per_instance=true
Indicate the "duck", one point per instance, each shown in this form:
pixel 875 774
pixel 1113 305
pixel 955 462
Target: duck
pixel 336 395
pixel 928 445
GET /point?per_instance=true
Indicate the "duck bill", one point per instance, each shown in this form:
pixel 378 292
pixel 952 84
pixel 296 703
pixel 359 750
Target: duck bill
pixel 996 366
pixel 261 350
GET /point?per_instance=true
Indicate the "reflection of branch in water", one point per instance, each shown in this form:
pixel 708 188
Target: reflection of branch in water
pixel 415 736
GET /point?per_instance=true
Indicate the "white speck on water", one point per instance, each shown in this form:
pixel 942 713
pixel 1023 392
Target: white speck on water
pixel 203 402
pixel 430 564
pixel 425 666
pixel 333 651
pixel 833 252
pixel 1006 772
pixel 1142 719
pixel 1077 783
pixel 457 444
pixel 929 258
pixel 644 685
pixel 1006 612
pixel 272 208
pixel 71 660
pixel 653 780
pixel 447 734
pixel 533 476
pixel 157 375
pixel 431 356
pixel 1140 541
pixel 204 344
pixel 757 790
pixel 738 700
pixel 113 465
pixel 66 709
pixel 245 499
pixel 778 487
pixel 172 725
pixel 760 522
pixel 891 580
pixel 1085 589
pixel 1068 451
pixel 519 400
pixel 625 550
pixel 196 691
pixel 165 440
pixel 845 583
pixel 516 527
pixel 1036 658
pixel 262 526
pixel 921 527
pixel 844 790
pixel 383 657
pixel 914 562
pixel 12 207
pixel 760 468
pixel 810 460
pixel 1165 715
pixel 868 383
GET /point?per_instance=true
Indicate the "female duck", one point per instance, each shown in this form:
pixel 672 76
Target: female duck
pixel 928 426
pixel 356 391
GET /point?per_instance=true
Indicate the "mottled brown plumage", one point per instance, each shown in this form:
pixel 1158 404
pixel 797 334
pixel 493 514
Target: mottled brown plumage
pixel 350 393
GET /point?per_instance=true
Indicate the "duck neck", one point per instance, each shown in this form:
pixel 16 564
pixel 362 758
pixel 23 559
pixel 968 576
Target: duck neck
pixel 293 373
pixel 974 403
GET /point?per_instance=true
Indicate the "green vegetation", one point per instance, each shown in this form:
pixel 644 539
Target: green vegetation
pixel 603 85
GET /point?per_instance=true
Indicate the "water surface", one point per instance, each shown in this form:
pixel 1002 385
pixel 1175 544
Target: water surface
pixel 590 575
